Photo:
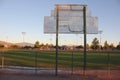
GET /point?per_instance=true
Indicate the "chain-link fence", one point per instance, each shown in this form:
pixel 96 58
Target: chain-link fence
pixel 69 62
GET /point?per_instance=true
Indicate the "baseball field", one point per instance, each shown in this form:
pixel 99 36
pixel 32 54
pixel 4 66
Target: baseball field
pixel 66 59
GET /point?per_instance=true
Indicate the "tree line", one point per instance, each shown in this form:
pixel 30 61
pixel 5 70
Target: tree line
pixel 95 45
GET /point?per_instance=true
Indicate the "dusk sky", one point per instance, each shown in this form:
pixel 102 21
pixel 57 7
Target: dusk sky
pixel 17 16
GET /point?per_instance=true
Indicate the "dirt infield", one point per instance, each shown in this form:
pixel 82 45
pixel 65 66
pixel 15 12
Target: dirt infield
pixel 15 74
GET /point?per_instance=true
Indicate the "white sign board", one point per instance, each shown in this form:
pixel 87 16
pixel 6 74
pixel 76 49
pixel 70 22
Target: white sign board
pixel 70 21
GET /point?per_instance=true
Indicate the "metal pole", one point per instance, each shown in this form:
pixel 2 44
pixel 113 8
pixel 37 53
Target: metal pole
pixel 81 40
pixel 84 25
pixel 57 24
pixel 23 33
pixel 100 32
pixel 72 62
pixel 108 64
pixel 2 60
pixel 36 62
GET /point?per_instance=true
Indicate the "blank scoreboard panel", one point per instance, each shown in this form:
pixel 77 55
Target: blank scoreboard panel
pixel 70 21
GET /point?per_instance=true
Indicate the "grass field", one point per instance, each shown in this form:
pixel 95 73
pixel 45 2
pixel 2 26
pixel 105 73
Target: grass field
pixel 46 59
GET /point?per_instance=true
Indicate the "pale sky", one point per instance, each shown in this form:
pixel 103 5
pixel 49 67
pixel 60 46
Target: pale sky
pixel 17 16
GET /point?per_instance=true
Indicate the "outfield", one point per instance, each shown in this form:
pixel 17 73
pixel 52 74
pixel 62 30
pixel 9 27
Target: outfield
pixel 46 59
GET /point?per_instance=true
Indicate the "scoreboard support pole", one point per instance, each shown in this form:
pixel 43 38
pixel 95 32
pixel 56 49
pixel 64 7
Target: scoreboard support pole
pixel 85 40
pixel 57 24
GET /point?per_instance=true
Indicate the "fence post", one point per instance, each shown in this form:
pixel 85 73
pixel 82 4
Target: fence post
pixel 3 59
pixel 36 62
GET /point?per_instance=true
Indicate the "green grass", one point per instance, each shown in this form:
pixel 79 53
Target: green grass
pixel 95 60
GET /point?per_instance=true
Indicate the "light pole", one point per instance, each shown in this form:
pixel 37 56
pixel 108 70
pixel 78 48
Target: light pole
pixel 100 32
pixel 81 40
pixel 50 39
pixel 23 33
pixel 76 39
